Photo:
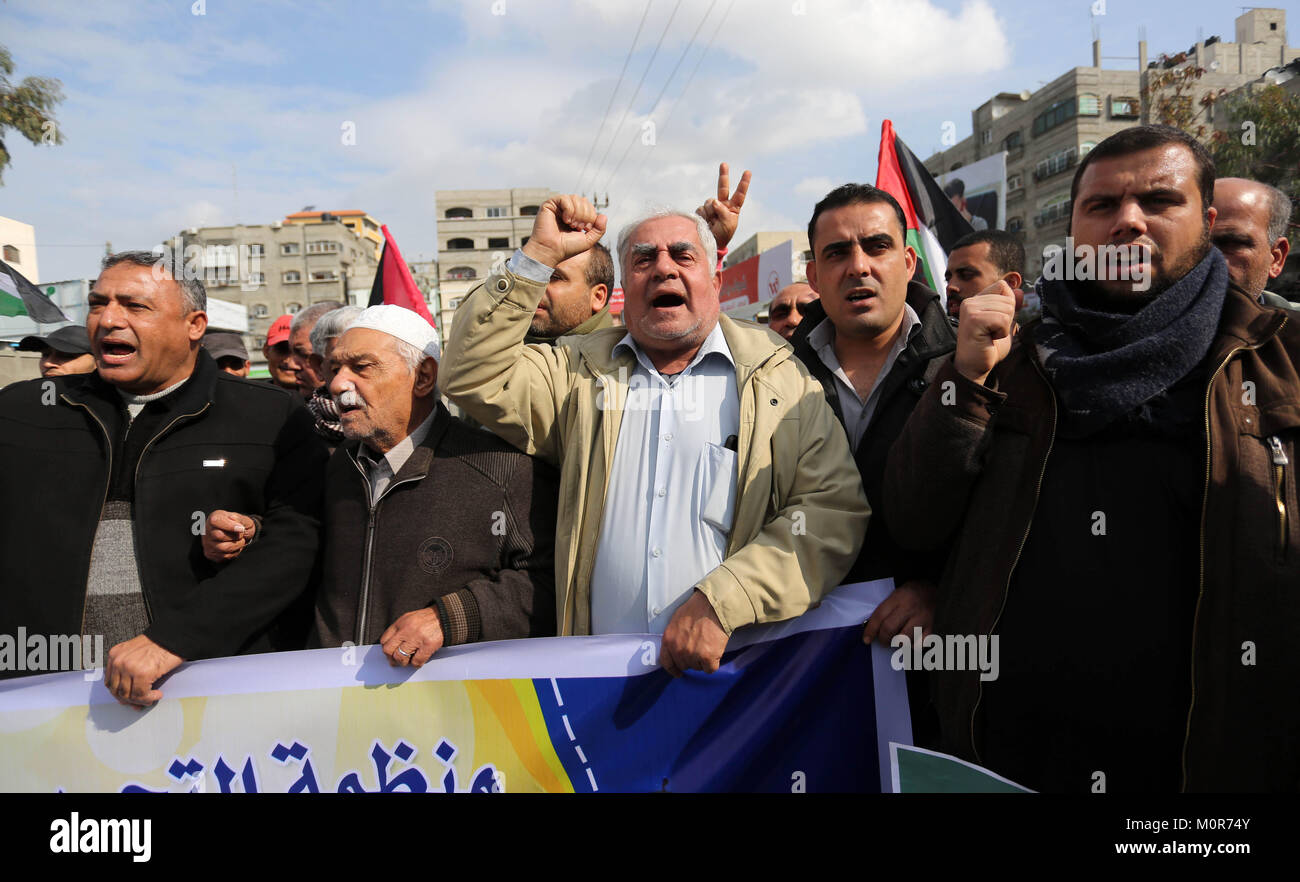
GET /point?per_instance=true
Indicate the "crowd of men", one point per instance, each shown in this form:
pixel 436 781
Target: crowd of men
pixel 1109 489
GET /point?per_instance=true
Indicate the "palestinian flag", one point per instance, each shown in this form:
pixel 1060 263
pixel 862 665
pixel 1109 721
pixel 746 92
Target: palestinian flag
pixel 393 282
pixel 20 297
pixel 933 223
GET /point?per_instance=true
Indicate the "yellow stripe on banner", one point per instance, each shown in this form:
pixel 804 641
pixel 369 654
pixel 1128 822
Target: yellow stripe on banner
pixel 509 710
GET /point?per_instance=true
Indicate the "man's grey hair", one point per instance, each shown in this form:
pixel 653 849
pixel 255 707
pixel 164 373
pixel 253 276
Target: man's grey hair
pixel 410 355
pixel 311 315
pixel 701 227
pixel 1279 213
pixel 331 325
pixel 194 297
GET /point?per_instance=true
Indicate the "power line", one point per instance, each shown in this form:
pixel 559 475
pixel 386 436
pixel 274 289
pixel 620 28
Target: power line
pixel 614 136
pixel 680 95
pixel 659 97
pixel 605 117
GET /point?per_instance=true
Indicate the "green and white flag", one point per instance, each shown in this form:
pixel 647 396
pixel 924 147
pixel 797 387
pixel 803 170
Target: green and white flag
pixel 20 297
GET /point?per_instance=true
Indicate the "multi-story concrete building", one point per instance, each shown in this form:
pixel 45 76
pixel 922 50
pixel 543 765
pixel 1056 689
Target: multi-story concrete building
pixel 1045 133
pixel 18 243
pixel 278 268
pixel 477 229
pixel 365 226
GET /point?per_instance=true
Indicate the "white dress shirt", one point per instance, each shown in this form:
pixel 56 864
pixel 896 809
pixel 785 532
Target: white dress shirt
pixel 672 490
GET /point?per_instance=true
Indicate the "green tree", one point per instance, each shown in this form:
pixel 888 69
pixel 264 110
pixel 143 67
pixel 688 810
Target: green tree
pixel 1261 141
pixel 27 108
pixel 1170 98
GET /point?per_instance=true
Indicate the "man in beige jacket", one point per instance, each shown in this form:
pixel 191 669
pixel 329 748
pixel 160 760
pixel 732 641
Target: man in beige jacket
pixel 705 484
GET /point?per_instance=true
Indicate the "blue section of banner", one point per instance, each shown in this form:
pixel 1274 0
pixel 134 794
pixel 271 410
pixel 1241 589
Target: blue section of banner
pixel 797 713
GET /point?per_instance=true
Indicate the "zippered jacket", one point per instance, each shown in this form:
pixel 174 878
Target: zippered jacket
pixel 466 526
pixel 800 513
pixel 967 471
pixel 901 388
pixel 223 443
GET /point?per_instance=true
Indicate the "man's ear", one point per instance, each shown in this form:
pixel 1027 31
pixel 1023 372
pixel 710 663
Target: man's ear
pixel 426 378
pixel 1015 280
pixel 599 297
pixel 197 326
pixel 909 258
pixel 1281 248
pixel 811 271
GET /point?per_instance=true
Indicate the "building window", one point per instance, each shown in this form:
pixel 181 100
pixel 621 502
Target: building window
pixel 1012 141
pixel 290 248
pixel 293 308
pixel 453 303
pixel 986 136
pixel 1056 163
pixel 1089 105
pixel 528 211
pixel 256 250
pixel 1014 182
pixel 329 275
pixel 524 241
pixel 501 242
pixel 11 254
pixel 256 279
pixel 322 247
pixel 1125 108
pixel 497 211
pixel 1085 148
pixel 1054 115
pixel 1015 224
pixel 260 310
pixel 460 244
pixel 457 212
pixel 1053 210
pixel 462 272
pixel 292 277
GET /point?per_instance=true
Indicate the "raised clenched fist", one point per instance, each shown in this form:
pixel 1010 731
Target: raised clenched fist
pixel 984 331
pixel 565 226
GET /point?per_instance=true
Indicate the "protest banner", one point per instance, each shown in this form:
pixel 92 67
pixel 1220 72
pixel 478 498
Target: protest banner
pixel 798 706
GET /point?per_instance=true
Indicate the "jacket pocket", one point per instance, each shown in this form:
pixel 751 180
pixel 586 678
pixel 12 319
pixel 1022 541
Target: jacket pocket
pixel 717 483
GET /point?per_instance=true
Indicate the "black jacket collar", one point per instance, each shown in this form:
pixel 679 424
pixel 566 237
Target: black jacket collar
pixel 421 458
pixel 94 392
pixel 935 337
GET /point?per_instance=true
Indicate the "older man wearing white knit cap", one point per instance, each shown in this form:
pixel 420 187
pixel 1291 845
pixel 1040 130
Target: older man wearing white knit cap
pixel 436 534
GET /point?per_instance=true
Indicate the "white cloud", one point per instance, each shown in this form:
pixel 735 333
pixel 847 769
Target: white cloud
pixel 158 120
pixel 814 187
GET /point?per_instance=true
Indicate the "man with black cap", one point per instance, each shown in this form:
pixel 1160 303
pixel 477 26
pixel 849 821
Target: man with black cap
pixel 227 348
pixel 63 352
pixel 125 461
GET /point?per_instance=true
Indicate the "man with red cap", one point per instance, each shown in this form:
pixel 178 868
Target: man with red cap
pixel 277 352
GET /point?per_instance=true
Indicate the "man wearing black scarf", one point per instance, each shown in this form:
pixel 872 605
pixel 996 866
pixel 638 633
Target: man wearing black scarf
pixel 1119 483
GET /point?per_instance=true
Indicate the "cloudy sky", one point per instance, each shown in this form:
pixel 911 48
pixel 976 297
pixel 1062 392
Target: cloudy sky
pixel 174 119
